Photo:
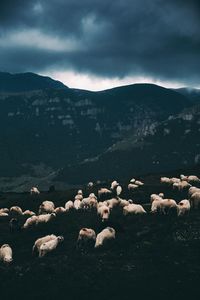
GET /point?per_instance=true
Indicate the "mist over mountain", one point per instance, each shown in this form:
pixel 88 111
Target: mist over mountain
pixel 52 133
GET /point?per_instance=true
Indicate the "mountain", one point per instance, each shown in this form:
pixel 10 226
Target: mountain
pixel 191 93
pixel 48 132
pixel 12 83
pixel 173 144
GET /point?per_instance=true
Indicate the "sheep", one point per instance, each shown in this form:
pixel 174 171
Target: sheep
pixel 77 204
pixel 69 205
pixel 102 203
pixel 104 193
pixel 154 197
pixel 165 180
pixel 112 203
pixel 90 184
pixel 4 210
pixel 45 218
pixel 138 182
pixel 114 184
pixel 123 202
pixel 183 207
pixel 40 241
pixel 28 213
pixel 78 197
pixel 60 210
pixel 156 205
pixel 104 212
pixel 50 246
pixel 6 253
pixel 193 190
pixel 174 179
pixel 132 180
pixel 193 179
pixel 195 200
pixel 80 192
pixel 167 204
pixel 118 190
pixel 132 186
pixel 16 211
pixel 182 185
pixel 133 209
pixel 14 225
pixel 86 237
pixel 105 235
pixel 30 222
pixel 4 214
pixel 34 191
pixel 46 207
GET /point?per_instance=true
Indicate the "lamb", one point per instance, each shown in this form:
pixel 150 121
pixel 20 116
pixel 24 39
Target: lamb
pixel 104 236
pixel 3 214
pixel 123 202
pixel 30 222
pixel 138 182
pixel 114 184
pixel 34 191
pixel 165 180
pixel 45 218
pixel 6 253
pixel 40 241
pixel 183 185
pixel 104 212
pixel 16 211
pixel 133 209
pixel 183 177
pixel 195 200
pixel 46 207
pixel 132 180
pixel 77 204
pixel 104 193
pixel 193 179
pixel 50 246
pixel 156 205
pixel 86 237
pixel 69 205
pixel 4 210
pixel 118 190
pixel 167 205
pixel 78 197
pixel 183 207
pixel 154 197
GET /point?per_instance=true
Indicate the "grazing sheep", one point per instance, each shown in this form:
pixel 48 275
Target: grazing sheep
pixel 154 197
pixel 183 177
pixel 34 191
pixel 167 205
pixel 46 207
pixel 123 202
pixel 132 186
pixel 104 212
pixel 50 246
pixel 59 210
pixel 69 205
pixel 102 203
pixel 104 193
pixel 193 190
pixel 132 180
pixel 77 204
pixel 112 203
pixel 45 218
pixel 138 182
pixel 183 207
pixel 195 200
pixel 6 253
pixel 118 190
pixel 30 222
pixel 174 179
pixel 28 213
pixel 16 211
pixel 89 202
pixel 104 236
pixel 114 184
pixel 86 237
pixel 135 209
pixel 165 180
pixel 4 210
pixel 40 241
pixel 14 225
pixel 183 185
pixel 156 205
pixel 193 179
pixel 78 197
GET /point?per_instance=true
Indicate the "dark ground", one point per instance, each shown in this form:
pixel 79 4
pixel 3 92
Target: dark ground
pixel 152 256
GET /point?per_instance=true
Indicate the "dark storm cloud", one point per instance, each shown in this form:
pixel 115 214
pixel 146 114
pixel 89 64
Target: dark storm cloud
pixel 155 38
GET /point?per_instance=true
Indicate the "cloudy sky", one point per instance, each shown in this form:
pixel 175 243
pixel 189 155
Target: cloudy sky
pixel 97 44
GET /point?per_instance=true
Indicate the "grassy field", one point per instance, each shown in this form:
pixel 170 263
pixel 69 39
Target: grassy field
pixel 153 256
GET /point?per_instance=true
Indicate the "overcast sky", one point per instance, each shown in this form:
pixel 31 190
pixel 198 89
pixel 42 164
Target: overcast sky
pixel 97 44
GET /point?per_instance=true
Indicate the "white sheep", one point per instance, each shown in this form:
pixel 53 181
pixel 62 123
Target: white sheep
pixel 45 218
pixel 112 203
pixel 34 191
pixel 46 207
pixel 50 246
pixel 69 205
pixel 85 237
pixel 104 212
pixel 28 213
pixel 183 207
pixel 118 190
pixel 193 179
pixel 132 186
pixel 16 210
pixel 30 222
pixel 195 200
pixel 156 205
pixel 105 235
pixel 6 253
pixel 90 184
pixel 132 180
pixel 4 210
pixel 135 209
pixel 154 197
pixel 40 241
pixel 167 205
pixel 104 192
pixel 77 204
pixel 138 182
pixel 60 210
pixel 165 180
pixel 123 202
pixel 192 190
pixel 114 184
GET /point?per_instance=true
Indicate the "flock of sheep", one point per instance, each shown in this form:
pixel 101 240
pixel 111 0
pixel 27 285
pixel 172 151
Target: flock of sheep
pixel 103 204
